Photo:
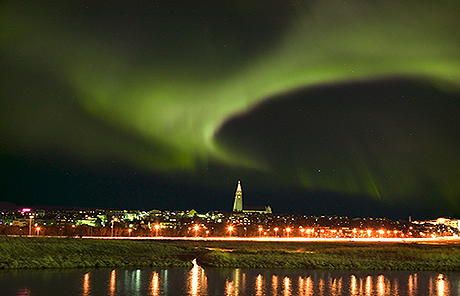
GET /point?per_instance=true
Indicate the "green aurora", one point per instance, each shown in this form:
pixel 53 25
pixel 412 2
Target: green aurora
pixel 157 86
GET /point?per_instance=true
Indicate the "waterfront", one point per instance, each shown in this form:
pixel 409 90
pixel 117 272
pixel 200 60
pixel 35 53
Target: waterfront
pixel 226 281
pixel 56 253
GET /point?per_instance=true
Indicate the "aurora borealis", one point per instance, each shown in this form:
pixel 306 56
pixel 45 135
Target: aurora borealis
pixel 319 107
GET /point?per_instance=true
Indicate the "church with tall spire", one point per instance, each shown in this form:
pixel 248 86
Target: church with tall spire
pixel 238 203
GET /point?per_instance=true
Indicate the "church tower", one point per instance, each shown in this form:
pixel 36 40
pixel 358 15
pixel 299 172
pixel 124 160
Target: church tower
pixel 238 204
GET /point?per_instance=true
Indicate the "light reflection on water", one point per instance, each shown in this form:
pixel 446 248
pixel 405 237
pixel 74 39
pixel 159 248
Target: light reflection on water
pixel 199 281
pixel 86 285
pixel 196 281
pixel 113 279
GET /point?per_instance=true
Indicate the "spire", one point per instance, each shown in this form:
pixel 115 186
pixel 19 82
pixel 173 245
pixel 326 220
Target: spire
pixel 238 203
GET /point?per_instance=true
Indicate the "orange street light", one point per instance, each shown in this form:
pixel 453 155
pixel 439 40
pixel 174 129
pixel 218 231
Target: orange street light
pixel 288 230
pixel 129 231
pixel 230 229
pixel 276 230
pixel 157 227
pixel 196 228
pixel 260 230
pixel 38 230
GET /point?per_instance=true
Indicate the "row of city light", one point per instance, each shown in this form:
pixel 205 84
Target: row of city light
pixel 318 231
pixel 288 231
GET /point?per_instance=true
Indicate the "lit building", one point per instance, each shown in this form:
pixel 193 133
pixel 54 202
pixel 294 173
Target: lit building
pixel 454 223
pixel 238 204
pixel 260 210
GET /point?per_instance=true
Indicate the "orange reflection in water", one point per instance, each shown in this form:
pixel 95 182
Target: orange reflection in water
pixel 274 284
pixel 353 285
pixel 305 286
pixel 112 283
pixel 441 286
pixel 335 286
pixel 86 284
pixel 259 285
pixel 197 281
pixel 412 284
pixel 381 285
pixel 395 287
pixel 321 287
pixel 229 288
pixel 368 286
pixel 325 284
pixel 234 287
pixel 287 286
pixel 155 284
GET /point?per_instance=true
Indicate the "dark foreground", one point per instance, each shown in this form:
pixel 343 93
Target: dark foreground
pixel 46 252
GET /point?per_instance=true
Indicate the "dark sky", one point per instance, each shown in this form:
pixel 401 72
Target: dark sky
pixel 318 107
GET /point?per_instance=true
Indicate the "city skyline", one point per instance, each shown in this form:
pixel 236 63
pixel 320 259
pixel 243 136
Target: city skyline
pixel 330 108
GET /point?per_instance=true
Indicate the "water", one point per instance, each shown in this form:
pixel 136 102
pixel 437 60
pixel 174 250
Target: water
pixel 213 281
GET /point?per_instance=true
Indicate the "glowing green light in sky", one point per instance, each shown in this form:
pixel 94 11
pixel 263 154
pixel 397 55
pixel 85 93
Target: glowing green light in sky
pixel 179 105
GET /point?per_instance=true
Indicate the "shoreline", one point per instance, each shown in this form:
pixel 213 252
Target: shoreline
pixel 59 252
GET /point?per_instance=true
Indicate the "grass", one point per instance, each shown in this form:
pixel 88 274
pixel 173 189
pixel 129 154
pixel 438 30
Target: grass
pixel 24 252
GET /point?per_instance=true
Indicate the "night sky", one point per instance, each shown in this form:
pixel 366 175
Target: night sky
pixel 348 108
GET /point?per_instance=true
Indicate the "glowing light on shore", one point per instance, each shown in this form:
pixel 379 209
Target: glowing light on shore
pixel 196 228
pixel 230 230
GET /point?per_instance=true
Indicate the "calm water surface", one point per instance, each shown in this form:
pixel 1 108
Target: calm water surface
pixel 213 281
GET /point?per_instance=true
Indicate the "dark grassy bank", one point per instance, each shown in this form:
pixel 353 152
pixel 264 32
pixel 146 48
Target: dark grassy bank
pixel 33 252
pixel 22 252
pixel 353 256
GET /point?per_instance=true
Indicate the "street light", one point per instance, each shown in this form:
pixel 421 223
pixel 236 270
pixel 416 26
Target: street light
pixel 38 230
pixel 196 228
pixel 276 231
pixel 157 227
pixel 288 230
pixel 230 229
pixel 301 231
pixel 260 230
pixel 129 232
